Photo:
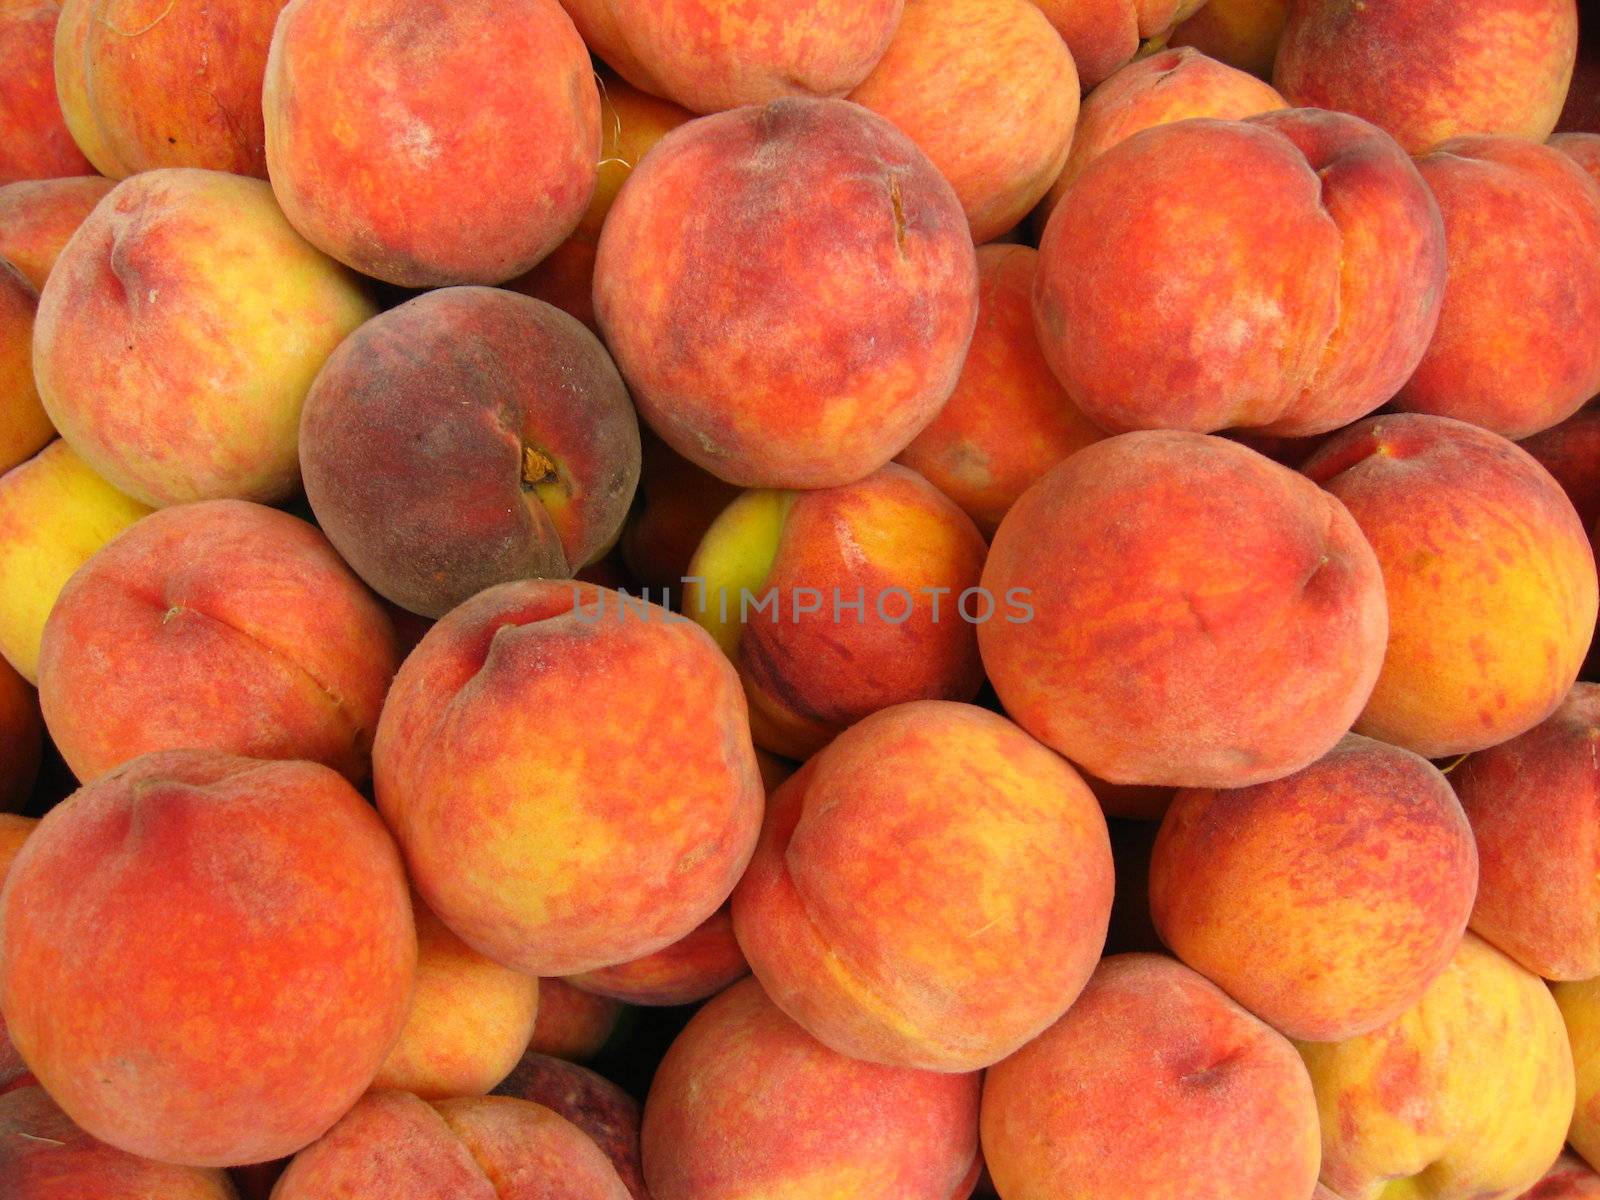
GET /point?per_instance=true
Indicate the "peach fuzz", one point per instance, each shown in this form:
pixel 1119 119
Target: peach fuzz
pixel 1241 33
pixel 1428 70
pixel 1513 351
pixel 1570 1179
pixel 930 891
pixel 179 332
pixel 892 543
pixel 24 427
pixel 1570 451
pixel 607 1114
pixel 789 291
pixel 1008 420
pixel 393 1146
pixel 191 873
pixel 469 437
pixel 1465 1095
pixel 1489 576
pixel 21 734
pixel 1154 1086
pixel 225 625
pixel 1105 34
pixel 1230 640
pixel 39 216
pixel 362 92
pixel 694 968
pixel 676 503
pixel 1325 902
pixel 747 1104
pixel 1581 148
pixel 152 83
pixel 573 1025
pixel 538 732
pixel 34 140
pixel 1304 314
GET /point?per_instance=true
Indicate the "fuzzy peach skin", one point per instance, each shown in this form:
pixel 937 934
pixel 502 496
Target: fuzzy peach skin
pixel 1198 616
pixel 1489 576
pixel 24 427
pixel 1582 148
pixel 267 895
pixel 21 734
pixel 34 140
pixel 1154 1086
pixel 1172 294
pixel 1105 34
pixel 1009 420
pixel 1513 351
pixel 393 1146
pixel 1570 451
pixel 573 1025
pixel 1569 1179
pixel 1427 70
pixel 1580 1010
pixel 14 831
pixel 469 437
pixel 222 624
pixel 179 332
pixel 38 216
pixel 811 668
pixel 957 78
pixel 572 780
pixel 930 891
pixel 1325 902
pixel 602 1110
pixel 695 967
pixel 746 1105
pixel 1464 1096
pixel 789 291
pixel 165 83
pixel 676 503
pixel 360 93
pixel 1242 33
pixel 469 1022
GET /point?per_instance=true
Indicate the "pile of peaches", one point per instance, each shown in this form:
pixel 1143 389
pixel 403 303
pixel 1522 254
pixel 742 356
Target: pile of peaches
pixel 799 599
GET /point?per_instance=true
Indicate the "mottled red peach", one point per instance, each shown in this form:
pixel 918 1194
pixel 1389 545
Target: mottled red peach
pixel 1105 34
pixel 694 968
pixel 38 216
pixel 24 426
pixel 34 140
pixel 606 1113
pixel 573 1025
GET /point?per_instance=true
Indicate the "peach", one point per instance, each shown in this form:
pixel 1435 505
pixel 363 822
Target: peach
pixel 1512 351
pixel 34 140
pixel 602 1110
pixel 1300 314
pixel 597 24
pixel 1008 421
pixel 1428 70
pixel 1242 33
pixel 1325 902
pixel 165 83
pixel 224 625
pixel 1570 451
pixel 469 1022
pixel 930 891
pixel 393 1146
pixel 789 291
pixel 573 1025
pixel 1579 1001
pixel 602 790
pixel 1154 1086
pixel 360 93
pixel 1105 34
pixel 469 437
pixel 1569 1179
pixel 39 216
pixel 267 895
pixel 14 831
pixel 1582 148
pixel 839 602
pixel 694 968
pixel 1489 576
pixel 1196 616
pixel 746 1104
pixel 54 514
pixel 21 734
pixel 24 427
pixel 179 333
pixel 958 79
pixel 1465 1095
pixel 677 502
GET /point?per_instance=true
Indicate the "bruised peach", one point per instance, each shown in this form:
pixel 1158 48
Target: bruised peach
pixel 224 625
pixel 1570 451
pixel 24 427
pixel 1105 34
pixel 1242 33
pixel 38 216
pixel 789 292
pixel 695 967
pixel 606 1113
pixel 20 738
pixel 470 437
pixel 34 140
pixel 573 1024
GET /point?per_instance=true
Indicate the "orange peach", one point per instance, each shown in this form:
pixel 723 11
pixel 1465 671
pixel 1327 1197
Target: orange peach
pixel 1105 34
pixel 20 738
pixel 1172 293
pixel 1582 148
pixel 225 625
pixel 37 217
pixel 34 140
pixel 677 502
pixel 24 427
pixel 1489 576
pixel 789 291
pixel 1154 1086
pixel 694 968
pixel 1579 1001
pixel 1570 451
pixel 268 896
pixel 1242 33
pixel 602 1110
pixel 360 93
pixel 1569 1179
pixel 573 1025
pixel 14 831
pixel 1197 616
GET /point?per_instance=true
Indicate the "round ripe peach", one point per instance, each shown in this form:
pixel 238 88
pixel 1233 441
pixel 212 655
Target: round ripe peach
pixel 1154 1086
pixel 789 292
pixel 268 896
pixel 1514 351
pixel 38 216
pixel 179 332
pixel 34 140
pixel 469 437
pixel 1570 451
pixel 24 427
pixel 364 94
pixel 1008 421
pixel 225 625
pixel 573 1024
pixel 1325 902
pixel 746 1103
pixel 1241 33
pixel 570 775
pixel 930 891
pixel 1105 34
pixel 1302 314
pixel 1489 576
pixel 694 968
pixel 1196 616
pixel 21 734
pixel 602 1110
